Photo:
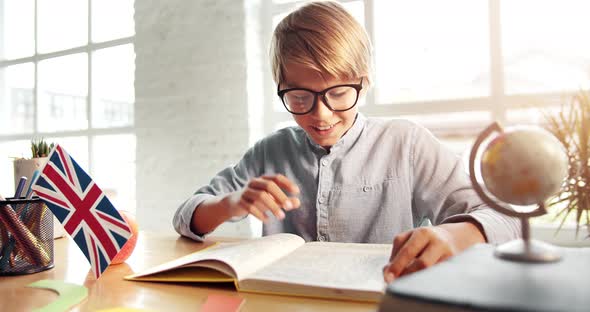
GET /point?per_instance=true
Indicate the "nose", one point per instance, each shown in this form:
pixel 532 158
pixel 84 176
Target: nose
pixel 321 111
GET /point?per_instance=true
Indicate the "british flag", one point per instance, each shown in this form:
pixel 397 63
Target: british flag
pixel 83 209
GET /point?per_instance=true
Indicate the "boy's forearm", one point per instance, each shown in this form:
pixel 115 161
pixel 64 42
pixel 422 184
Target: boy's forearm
pixel 209 215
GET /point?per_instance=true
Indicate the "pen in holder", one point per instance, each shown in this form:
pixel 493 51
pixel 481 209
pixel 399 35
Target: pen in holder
pixel 26 236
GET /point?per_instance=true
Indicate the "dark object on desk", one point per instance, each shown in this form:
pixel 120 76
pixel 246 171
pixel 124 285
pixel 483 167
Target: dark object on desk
pixel 26 237
pixel 476 280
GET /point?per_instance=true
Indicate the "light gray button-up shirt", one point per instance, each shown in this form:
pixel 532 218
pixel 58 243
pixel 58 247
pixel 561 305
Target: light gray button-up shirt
pixel 381 178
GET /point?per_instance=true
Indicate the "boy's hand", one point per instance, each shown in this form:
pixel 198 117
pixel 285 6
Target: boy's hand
pixel 423 247
pixel 263 194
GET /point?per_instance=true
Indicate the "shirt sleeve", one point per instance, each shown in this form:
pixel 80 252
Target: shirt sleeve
pixel 228 180
pixel 443 193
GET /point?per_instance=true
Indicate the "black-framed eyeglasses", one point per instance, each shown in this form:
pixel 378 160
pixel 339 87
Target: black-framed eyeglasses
pixel 339 98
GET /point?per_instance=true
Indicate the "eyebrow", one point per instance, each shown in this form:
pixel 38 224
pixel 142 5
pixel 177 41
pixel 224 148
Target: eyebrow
pixel 290 85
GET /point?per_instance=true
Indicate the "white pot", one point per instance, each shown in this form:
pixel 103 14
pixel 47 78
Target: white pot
pixel 25 168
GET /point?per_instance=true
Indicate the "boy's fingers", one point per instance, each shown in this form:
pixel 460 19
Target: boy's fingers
pixel 398 242
pixel 295 202
pixel 270 187
pixel 273 190
pixel 263 201
pixel 410 250
pixel 253 210
pixel 269 202
pixel 430 256
pixel 284 183
pixel 387 275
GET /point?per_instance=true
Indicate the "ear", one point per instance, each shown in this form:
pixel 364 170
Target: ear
pixel 367 84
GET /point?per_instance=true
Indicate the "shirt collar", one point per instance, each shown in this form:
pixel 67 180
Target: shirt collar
pixel 347 139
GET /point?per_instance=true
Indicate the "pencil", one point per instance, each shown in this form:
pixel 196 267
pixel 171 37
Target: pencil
pixel 27 242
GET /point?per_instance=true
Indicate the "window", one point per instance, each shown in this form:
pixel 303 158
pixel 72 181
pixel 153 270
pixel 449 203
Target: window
pixel 426 55
pixel 70 81
pixel 457 65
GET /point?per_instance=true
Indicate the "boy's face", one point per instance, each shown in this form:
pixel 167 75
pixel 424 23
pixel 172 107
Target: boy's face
pixel 324 126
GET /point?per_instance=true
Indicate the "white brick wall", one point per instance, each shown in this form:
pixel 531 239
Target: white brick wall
pixel 191 101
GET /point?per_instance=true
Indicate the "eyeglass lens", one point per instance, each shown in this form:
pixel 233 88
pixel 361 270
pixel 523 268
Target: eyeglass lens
pixel 339 98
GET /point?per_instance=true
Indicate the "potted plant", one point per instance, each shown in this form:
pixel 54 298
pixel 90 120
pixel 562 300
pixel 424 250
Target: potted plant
pixel 24 167
pixel 571 126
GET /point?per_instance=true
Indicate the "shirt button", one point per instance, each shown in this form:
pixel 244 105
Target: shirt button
pixel 324 162
pixel 322 238
pixel 322 200
pixel 366 188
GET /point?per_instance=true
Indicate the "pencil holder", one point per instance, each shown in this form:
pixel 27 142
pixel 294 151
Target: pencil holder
pixel 26 236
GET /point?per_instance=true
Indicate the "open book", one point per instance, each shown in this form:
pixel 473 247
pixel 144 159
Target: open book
pixel 283 264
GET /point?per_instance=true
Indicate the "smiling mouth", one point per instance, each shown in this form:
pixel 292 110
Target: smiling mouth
pixel 325 128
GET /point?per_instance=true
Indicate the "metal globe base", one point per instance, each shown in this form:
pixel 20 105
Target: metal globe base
pixel 528 251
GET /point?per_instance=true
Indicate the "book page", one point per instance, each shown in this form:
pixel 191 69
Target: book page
pixel 243 257
pixel 338 266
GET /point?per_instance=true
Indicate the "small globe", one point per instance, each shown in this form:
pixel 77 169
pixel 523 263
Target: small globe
pixel 524 165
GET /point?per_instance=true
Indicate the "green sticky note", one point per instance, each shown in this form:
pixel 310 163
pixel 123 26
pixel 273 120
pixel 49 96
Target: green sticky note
pixel 69 294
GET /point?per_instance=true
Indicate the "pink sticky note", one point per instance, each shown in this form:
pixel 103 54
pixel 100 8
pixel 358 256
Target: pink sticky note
pixel 222 303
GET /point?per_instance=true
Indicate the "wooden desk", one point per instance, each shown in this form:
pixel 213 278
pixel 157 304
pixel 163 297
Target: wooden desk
pixel 112 291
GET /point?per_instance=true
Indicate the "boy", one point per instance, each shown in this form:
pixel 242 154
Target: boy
pixel 340 176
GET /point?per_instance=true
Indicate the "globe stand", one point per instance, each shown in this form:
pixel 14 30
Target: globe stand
pixel 527 249
pixel 522 250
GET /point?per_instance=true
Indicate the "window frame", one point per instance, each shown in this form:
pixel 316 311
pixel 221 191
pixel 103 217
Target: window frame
pixel 498 103
pixel 89 49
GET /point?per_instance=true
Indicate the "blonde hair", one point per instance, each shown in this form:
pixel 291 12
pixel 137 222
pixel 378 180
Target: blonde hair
pixel 324 37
